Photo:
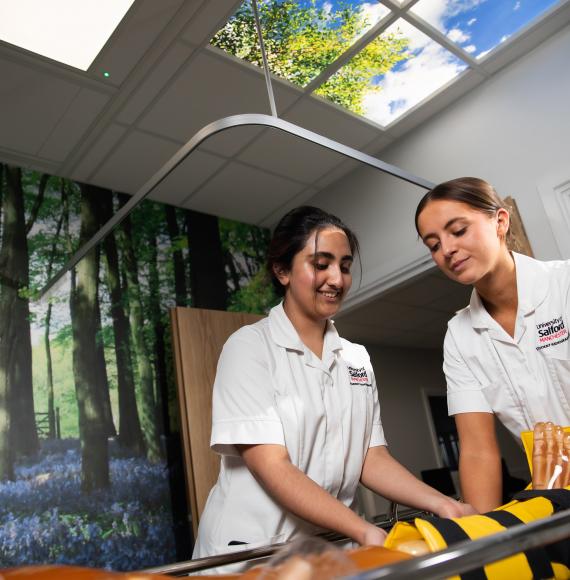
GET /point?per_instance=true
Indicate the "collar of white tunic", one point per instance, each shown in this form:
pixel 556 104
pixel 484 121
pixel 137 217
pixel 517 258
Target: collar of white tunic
pixel 532 288
pixel 284 334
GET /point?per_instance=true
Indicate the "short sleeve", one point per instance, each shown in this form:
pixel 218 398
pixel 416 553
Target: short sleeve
pixel 377 436
pixel 464 394
pixel 243 410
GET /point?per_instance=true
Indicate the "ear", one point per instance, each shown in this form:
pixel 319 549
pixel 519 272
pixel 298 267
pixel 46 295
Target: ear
pixel 503 222
pixel 281 273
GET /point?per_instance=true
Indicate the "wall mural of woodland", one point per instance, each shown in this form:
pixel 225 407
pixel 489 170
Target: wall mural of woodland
pixel 90 469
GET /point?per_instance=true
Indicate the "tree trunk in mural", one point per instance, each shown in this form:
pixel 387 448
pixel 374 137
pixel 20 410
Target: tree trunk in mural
pixel 130 434
pixel 6 458
pixel 102 367
pixel 47 324
pixel 207 272
pixel 178 260
pixel 159 334
pixel 141 351
pixel 88 384
pixel 15 337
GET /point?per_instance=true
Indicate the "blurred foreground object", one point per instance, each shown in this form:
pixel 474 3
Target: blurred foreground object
pixel 550 456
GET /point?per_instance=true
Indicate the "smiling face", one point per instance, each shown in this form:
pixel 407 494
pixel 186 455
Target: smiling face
pixel 320 276
pixel 467 244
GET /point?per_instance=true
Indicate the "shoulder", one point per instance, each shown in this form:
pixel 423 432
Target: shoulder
pixel 354 352
pixel 249 338
pixel 460 321
pixel 557 268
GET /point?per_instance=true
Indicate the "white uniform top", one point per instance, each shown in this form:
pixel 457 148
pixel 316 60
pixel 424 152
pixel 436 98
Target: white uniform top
pixel 270 388
pixel 524 379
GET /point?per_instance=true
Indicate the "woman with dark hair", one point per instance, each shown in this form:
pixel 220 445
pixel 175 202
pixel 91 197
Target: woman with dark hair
pixel 295 414
pixel 506 354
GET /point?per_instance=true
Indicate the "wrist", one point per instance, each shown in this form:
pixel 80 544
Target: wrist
pixel 438 503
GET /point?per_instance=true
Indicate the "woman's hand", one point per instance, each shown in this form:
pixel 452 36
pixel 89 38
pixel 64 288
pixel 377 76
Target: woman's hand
pixel 451 508
pixel 372 536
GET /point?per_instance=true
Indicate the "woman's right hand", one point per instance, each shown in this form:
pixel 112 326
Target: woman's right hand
pixel 372 536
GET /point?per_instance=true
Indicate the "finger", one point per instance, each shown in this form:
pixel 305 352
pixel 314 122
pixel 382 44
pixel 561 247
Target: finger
pixel 550 451
pixel 539 479
pixel 565 477
pixel 559 452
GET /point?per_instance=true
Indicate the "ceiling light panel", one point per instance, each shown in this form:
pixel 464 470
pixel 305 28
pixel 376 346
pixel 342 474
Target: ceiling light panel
pixel 302 37
pixel 68 31
pixel 403 67
pixel 480 26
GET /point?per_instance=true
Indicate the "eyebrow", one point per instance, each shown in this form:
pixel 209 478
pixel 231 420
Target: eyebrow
pixel 447 225
pixel 330 256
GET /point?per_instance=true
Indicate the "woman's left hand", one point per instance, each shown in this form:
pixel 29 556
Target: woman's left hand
pixel 451 508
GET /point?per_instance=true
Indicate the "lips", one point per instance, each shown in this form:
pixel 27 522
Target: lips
pixel 330 294
pixel 457 264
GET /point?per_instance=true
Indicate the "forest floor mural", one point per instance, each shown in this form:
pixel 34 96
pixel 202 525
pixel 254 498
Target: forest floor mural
pixel 90 461
pixel 127 526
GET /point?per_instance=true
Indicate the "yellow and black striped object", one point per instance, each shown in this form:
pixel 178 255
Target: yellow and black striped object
pixel 549 562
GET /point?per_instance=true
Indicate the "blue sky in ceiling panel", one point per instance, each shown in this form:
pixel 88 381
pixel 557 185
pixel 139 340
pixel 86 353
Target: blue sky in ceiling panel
pixel 429 68
pixel 479 26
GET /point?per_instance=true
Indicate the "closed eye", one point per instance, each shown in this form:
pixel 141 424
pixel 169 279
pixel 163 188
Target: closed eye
pixel 460 232
pixel 434 247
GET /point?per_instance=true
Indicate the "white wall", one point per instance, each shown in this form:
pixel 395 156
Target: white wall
pixel 401 375
pixel 513 130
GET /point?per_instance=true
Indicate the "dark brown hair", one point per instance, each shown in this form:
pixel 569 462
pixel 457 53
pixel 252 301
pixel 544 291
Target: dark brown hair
pixel 291 235
pixel 473 191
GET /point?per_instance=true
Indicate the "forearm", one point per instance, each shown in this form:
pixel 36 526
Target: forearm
pixel 481 480
pixel 387 477
pixel 300 495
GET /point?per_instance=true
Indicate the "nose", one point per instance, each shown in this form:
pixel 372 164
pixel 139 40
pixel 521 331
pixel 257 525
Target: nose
pixel 448 247
pixel 335 276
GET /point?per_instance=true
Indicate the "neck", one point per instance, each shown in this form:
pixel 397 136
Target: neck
pixel 310 330
pixel 498 289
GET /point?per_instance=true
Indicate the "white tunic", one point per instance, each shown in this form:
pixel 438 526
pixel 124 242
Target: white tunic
pixel 270 388
pixel 524 379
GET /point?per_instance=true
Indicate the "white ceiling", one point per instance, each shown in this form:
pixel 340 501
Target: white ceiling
pixel 165 84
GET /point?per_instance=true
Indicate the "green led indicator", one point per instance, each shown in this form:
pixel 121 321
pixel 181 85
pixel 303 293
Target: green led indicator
pixel 106 74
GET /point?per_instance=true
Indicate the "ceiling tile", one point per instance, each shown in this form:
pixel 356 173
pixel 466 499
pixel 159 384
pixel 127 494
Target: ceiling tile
pixel 154 82
pixel 211 87
pixel 243 193
pixel 144 23
pixel 33 102
pixel 134 161
pixel 208 20
pixel 187 177
pixel 77 119
pixel 232 140
pixel 291 156
pixel 301 198
pixel 324 118
pixel 88 164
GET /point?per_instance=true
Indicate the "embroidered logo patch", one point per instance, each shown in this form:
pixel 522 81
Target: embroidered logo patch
pixel 359 376
pixel 551 333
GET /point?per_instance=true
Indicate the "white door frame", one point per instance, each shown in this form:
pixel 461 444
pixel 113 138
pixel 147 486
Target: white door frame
pixel 554 191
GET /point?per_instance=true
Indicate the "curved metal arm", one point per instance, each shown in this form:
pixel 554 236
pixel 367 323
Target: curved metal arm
pixel 204 134
pixel 469 555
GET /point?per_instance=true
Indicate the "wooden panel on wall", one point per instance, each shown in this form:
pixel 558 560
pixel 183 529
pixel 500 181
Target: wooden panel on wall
pixel 198 336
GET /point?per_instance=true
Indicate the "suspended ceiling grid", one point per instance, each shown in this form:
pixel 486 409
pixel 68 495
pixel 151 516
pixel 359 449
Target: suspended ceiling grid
pixel 165 83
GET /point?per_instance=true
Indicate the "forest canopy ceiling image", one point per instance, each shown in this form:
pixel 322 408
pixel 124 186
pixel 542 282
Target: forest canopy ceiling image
pixel 89 443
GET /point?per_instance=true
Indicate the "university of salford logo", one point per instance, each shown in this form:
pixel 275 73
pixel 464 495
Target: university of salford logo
pixel 551 333
pixel 359 376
